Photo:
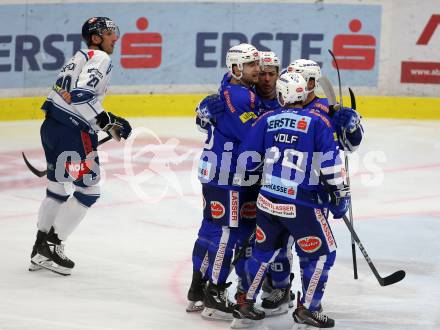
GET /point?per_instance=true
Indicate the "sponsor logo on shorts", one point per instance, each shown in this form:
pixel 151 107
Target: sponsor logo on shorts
pixel 281 210
pixel 248 210
pixel 260 236
pixel 326 229
pixel 309 244
pixel 217 209
pixel 233 209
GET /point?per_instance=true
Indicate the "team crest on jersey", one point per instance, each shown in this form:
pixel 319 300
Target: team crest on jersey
pixel 248 210
pixel 217 209
pixel 260 236
pixel 309 244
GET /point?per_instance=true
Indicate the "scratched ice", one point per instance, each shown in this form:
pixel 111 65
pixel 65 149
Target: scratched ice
pixel 133 250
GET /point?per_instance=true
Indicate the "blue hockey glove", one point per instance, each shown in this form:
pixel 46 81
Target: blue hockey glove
pixel 346 118
pixel 340 202
pixel 209 108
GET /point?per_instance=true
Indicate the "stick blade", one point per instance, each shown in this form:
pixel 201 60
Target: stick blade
pixel 352 99
pixel 33 169
pixel 393 278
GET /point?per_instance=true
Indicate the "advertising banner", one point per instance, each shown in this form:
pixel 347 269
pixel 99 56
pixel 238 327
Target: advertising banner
pixel 418 53
pixel 185 43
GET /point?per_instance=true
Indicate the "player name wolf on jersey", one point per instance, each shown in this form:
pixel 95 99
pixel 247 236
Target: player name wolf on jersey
pixel 298 148
pixel 85 77
pixel 218 161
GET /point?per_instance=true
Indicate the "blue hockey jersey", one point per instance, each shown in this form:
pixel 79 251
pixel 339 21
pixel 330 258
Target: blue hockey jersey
pixel 219 158
pixel 298 147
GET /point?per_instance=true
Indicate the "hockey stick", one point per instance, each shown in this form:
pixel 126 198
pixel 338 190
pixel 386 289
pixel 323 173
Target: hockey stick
pixel 327 87
pixel 383 281
pixel 44 172
pixel 344 138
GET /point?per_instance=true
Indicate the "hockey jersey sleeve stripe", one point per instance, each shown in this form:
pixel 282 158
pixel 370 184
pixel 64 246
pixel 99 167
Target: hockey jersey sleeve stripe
pixel 92 107
pixel 331 169
pixel 335 181
pixel 80 95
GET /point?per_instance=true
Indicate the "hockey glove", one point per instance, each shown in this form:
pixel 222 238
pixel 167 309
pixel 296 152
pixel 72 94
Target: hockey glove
pixel 209 108
pixel 340 202
pixel 346 119
pixel 117 127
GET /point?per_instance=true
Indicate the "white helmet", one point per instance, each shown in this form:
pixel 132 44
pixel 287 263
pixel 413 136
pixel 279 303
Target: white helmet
pixel 240 54
pixel 307 68
pixel 291 88
pixel 269 59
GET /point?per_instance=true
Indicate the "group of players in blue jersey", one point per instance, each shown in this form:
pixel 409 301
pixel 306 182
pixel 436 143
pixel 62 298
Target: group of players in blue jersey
pixel 271 172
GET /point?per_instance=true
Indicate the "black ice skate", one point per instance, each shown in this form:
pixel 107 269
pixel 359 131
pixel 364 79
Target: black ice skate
pixel 217 304
pixel 41 236
pixel 52 249
pixel 276 301
pixel 196 293
pixel 245 314
pixel 303 316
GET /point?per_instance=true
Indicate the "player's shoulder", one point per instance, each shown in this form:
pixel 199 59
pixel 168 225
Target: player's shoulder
pixel 239 98
pixel 95 56
pixel 320 104
pixel 321 118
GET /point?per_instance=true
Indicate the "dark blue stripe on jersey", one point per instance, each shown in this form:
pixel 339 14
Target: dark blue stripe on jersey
pixel 85 55
pixel 92 108
pixel 64 116
pixel 80 96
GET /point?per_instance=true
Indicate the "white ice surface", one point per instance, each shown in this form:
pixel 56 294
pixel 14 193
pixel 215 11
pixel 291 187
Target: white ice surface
pixel 133 250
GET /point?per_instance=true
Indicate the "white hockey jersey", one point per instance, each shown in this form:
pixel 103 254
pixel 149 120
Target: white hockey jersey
pixel 85 76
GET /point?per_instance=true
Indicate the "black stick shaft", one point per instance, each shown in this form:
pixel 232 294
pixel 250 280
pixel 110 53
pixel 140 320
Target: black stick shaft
pixel 344 137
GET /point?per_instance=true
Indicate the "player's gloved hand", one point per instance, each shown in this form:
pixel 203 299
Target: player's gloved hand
pixel 116 126
pixel 209 108
pixel 340 202
pixel 346 118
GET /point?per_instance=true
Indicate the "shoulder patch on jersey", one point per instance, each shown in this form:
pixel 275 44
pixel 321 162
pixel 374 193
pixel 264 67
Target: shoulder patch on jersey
pixel 90 54
pixel 228 101
pixel 317 114
pixel 246 116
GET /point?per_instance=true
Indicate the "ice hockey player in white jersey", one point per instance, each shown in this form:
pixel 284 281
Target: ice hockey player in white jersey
pixel 74 114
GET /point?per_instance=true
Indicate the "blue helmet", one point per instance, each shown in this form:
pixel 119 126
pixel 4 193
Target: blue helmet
pixel 96 25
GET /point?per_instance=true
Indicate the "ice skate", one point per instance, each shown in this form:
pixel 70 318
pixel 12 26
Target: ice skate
pixel 217 304
pixel 276 301
pixel 41 236
pixel 245 314
pixel 196 293
pixel 52 249
pixel 305 318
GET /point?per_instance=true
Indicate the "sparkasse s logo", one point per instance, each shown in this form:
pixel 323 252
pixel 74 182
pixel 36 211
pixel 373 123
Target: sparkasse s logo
pixel 141 50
